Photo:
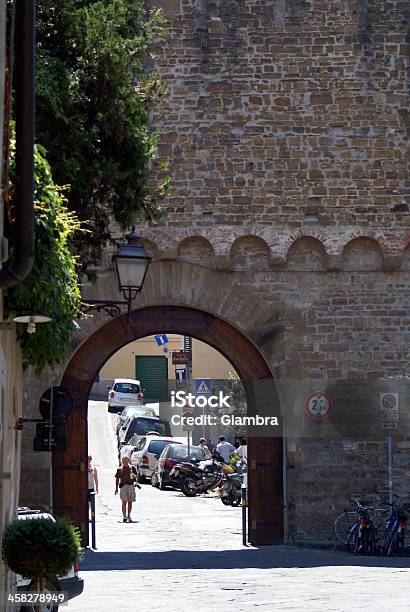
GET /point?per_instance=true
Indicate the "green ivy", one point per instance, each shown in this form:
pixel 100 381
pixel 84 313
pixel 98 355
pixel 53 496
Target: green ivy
pixel 52 286
pixel 94 96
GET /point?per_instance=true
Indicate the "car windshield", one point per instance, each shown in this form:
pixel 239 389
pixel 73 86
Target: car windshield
pixel 126 387
pixel 129 410
pixel 157 446
pixel 181 452
pixel 142 426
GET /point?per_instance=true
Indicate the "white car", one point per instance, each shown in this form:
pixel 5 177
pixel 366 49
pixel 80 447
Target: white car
pixel 123 392
pixel 144 455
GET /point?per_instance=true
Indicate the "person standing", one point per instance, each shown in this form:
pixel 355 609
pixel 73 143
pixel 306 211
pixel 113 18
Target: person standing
pixel 224 448
pixel 92 478
pixel 202 444
pixel 126 480
pixel 242 450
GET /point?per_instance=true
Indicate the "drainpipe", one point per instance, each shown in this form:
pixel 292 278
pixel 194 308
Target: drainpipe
pixel 15 272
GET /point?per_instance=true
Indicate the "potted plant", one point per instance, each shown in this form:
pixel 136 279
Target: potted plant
pixel 41 550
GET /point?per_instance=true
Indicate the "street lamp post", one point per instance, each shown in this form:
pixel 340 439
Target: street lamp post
pixel 131 263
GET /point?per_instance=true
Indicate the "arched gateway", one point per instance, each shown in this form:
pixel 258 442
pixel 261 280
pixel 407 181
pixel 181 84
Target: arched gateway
pixel 265 454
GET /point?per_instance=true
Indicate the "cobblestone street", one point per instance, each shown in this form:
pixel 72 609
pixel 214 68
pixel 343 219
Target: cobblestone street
pixel 185 554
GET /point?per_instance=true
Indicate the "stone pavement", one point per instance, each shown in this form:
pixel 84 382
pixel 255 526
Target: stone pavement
pixel 186 554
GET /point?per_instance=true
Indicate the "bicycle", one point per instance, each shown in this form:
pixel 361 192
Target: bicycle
pixel 394 538
pixel 362 536
pixel 346 521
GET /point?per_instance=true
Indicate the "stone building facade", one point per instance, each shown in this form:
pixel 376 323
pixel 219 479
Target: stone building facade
pixel 286 126
pixel 11 374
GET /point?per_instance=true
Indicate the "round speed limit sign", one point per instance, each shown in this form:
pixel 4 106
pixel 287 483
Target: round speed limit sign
pixel 318 405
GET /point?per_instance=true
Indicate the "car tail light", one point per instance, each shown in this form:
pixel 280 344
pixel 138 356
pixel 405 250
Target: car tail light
pixel 145 460
pixel 169 463
pixel 140 396
pixel 112 394
pixel 402 525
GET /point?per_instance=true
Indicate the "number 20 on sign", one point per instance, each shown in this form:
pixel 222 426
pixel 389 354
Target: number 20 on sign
pixel 318 405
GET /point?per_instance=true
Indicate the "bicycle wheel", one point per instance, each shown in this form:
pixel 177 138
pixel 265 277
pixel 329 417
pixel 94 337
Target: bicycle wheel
pixel 393 544
pixel 405 540
pixel 387 536
pixel 352 540
pixel 371 548
pixel 380 517
pixel 343 525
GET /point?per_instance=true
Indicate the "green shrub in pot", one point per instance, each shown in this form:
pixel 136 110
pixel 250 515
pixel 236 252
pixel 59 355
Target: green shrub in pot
pixel 41 549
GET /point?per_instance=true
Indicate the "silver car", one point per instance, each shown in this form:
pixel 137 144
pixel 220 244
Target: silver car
pixel 145 454
pixel 130 411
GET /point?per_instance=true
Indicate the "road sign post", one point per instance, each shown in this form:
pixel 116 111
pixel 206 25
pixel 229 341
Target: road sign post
pixel 188 427
pixel 389 405
pixel 203 386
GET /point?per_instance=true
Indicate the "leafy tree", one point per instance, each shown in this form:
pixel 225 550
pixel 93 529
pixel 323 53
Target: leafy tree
pixel 94 94
pixel 236 391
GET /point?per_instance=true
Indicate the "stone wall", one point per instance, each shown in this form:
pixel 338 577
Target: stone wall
pixel 286 127
pixel 284 112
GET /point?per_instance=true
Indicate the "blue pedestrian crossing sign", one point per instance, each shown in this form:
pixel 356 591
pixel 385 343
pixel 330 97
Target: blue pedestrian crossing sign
pixel 203 386
pixel 161 339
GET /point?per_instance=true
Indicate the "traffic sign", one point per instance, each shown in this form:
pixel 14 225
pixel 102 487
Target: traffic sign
pixel 389 404
pixel 43 444
pixel 181 357
pixel 62 404
pixel 318 405
pixel 180 377
pixel 187 426
pixel 50 436
pixel 161 339
pixel 58 430
pixel 203 386
pixel 389 425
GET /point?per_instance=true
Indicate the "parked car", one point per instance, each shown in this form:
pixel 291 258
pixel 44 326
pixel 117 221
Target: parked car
pixel 171 455
pixel 70 583
pixel 134 411
pixel 124 392
pixel 145 453
pixel 141 426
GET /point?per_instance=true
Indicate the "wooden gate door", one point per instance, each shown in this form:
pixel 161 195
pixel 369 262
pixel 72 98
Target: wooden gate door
pixel 70 489
pixel 265 491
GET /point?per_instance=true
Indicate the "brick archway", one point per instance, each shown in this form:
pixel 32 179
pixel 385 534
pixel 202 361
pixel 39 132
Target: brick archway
pixel 265 454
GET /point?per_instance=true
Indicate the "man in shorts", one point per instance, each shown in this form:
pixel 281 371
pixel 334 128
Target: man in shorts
pixel 126 480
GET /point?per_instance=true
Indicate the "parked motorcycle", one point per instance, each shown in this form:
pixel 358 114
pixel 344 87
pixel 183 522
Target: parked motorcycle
pixel 230 490
pixel 198 478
